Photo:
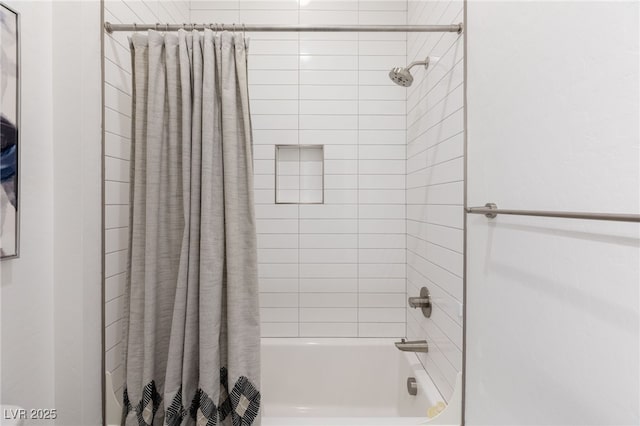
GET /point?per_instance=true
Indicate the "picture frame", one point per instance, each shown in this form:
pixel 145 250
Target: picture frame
pixel 10 132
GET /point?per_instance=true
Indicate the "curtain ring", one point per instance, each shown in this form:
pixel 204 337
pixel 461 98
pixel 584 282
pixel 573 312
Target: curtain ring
pixel 135 27
pixel 166 27
pixel 234 28
pixel 244 35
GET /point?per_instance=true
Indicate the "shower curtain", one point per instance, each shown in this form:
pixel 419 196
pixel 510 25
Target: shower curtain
pixel 191 331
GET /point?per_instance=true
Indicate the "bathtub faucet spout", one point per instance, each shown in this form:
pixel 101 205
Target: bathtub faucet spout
pixel 414 346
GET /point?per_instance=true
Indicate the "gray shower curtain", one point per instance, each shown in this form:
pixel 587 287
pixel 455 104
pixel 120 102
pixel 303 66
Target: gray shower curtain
pixel 191 331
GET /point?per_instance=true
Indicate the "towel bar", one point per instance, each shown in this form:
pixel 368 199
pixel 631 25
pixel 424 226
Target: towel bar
pixel 490 210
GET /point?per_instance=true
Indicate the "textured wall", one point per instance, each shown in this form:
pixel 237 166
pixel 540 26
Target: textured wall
pixel 435 173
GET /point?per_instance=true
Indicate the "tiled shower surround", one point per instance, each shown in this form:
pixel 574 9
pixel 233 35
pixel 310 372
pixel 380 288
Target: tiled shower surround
pixel 391 218
pixel 435 188
pixel 335 269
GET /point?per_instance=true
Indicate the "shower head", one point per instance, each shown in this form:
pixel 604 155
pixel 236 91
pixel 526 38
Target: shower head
pixel 402 76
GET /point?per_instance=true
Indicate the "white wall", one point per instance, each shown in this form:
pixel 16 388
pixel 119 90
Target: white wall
pixel 552 304
pixel 51 295
pixel 27 285
pixel 336 269
pixel 435 173
pixel 77 211
pixel 117 128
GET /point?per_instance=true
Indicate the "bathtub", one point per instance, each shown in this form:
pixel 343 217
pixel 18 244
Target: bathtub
pixel 330 382
pixel 339 382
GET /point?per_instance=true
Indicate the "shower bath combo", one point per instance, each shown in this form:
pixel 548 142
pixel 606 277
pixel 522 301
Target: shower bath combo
pixel 403 395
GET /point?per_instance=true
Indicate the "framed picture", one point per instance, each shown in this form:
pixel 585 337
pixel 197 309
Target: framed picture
pixel 9 136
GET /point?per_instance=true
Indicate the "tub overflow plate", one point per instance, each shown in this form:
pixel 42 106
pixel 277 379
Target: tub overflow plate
pixel 412 386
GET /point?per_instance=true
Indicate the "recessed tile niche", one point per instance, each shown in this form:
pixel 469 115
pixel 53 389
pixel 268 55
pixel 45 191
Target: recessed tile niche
pixel 299 174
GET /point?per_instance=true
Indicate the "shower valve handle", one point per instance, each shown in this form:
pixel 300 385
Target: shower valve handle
pixel 419 302
pixel 423 301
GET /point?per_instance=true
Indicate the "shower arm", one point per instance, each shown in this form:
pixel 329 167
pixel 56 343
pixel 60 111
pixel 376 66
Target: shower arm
pixel 414 63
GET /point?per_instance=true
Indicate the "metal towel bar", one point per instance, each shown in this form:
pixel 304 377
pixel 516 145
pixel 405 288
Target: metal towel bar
pixel 491 210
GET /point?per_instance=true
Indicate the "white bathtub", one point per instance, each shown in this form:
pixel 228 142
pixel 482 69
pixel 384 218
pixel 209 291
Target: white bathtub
pixel 339 382
pixel 346 382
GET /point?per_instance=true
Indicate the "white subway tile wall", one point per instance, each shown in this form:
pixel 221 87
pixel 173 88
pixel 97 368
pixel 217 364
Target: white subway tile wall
pixel 338 268
pixel 117 102
pixel 434 185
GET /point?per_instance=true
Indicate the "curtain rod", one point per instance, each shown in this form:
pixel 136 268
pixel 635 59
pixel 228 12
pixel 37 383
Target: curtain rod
pixel 455 28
